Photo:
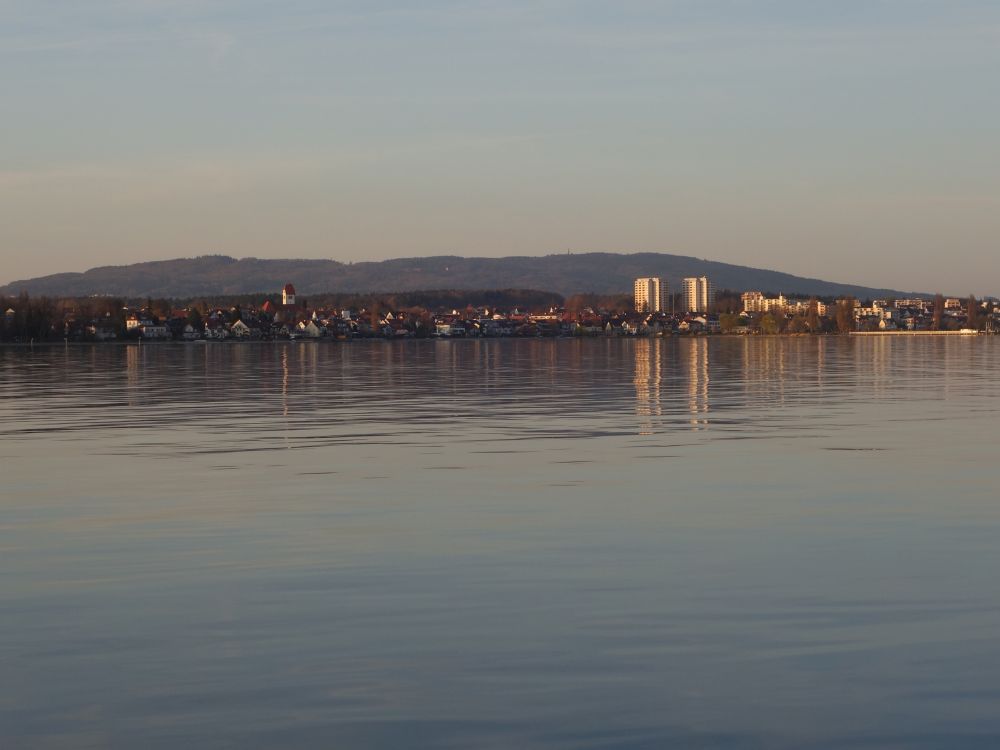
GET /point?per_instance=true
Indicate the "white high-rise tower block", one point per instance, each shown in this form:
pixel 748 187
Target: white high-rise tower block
pixel 650 295
pixel 699 294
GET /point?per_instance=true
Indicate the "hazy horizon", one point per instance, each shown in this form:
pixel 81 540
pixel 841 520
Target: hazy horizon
pixel 852 142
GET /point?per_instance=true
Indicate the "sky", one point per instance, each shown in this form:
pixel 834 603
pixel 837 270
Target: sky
pixel 851 140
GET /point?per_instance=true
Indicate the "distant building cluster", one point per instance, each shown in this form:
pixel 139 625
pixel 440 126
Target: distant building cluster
pixel 697 309
pixel 759 312
pixel 912 314
pixel 756 302
pixel 651 295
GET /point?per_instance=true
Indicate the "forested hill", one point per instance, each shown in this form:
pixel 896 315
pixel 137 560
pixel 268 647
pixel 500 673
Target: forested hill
pixel 570 273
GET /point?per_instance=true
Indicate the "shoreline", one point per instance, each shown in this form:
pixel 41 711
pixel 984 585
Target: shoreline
pixel 920 333
pixel 242 342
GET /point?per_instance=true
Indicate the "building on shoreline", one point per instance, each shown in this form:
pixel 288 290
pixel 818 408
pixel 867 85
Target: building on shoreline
pixel 756 302
pixel 274 317
pixel 699 294
pixel 651 295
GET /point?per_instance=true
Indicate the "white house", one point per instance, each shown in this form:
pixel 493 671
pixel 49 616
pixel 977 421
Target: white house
pixel 309 329
pixel 240 330
pixel 152 331
pixel 449 329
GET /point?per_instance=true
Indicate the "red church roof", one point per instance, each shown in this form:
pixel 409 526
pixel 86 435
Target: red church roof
pixel 289 289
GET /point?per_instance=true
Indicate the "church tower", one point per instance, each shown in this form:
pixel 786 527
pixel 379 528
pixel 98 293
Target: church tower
pixel 288 296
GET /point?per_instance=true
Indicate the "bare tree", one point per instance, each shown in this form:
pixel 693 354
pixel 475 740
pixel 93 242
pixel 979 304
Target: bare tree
pixel 812 317
pixel 938 312
pixel 972 313
pixel 845 315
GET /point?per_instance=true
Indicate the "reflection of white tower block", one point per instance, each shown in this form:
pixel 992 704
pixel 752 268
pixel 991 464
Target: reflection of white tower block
pixel 288 296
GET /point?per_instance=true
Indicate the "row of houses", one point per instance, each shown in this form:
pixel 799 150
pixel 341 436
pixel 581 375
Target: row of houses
pixel 911 314
pixel 260 324
pixel 478 323
pixel 921 315
pixel 756 302
pixel 290 319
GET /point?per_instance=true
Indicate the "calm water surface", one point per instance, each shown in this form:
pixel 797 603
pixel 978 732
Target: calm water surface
pixel 726 543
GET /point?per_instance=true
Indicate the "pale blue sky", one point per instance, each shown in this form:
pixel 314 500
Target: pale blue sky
pixel 854 141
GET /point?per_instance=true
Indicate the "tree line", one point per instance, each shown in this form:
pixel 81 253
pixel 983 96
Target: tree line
pixel 25 318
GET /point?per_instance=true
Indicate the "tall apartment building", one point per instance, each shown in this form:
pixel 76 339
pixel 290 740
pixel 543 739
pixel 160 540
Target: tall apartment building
pixel 756 302
pixel 699 293
pixel 651 295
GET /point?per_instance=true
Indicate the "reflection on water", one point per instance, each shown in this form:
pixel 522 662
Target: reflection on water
pixel 698 381
pixel 648 380
pixel 611 543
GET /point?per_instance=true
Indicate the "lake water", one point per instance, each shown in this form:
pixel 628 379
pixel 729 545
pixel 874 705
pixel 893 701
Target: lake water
pixel 719 543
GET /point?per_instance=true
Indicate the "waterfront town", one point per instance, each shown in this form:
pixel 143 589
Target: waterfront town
pixel 697 309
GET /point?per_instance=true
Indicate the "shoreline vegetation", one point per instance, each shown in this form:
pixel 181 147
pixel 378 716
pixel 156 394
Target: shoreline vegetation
pixel 451 314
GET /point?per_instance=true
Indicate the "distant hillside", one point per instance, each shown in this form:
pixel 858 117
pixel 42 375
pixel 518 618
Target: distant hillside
pixel 603 273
